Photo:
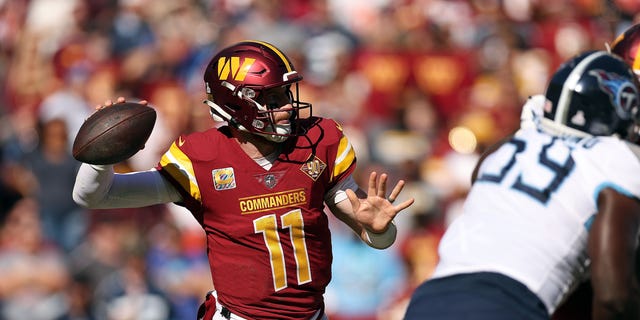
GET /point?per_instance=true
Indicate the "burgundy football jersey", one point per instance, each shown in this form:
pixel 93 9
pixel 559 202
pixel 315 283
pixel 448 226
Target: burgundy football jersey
pixel 269 245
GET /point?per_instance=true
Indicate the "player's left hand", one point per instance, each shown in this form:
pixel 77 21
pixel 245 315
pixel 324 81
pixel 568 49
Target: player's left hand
pixel 376 211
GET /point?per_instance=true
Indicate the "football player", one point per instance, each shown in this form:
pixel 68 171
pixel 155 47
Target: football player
pixel 551 206
pixel 627 46
pixel 258 187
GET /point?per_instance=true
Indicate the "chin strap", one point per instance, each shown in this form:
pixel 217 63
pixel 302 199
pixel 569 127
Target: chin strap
pixel 218 114
pixel 212 107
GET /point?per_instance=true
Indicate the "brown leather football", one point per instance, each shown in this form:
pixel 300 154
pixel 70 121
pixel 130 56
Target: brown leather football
pixel 114 134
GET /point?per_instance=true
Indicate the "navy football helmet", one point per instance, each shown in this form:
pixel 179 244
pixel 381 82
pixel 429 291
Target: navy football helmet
pixel 592 94
pixel 236 79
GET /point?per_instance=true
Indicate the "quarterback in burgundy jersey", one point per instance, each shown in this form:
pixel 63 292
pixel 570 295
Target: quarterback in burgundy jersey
pixel 268 235
pixel 258 186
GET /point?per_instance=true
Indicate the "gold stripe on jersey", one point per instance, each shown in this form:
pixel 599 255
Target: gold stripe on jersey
pixel 346 157
pixel 178 165
pixel 271 201
pixel 636 61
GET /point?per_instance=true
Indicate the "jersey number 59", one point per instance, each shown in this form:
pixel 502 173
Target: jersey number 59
pixel 560 171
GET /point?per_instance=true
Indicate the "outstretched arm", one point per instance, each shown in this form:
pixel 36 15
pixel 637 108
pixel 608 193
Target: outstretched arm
pixel 98 187
pixel 370 214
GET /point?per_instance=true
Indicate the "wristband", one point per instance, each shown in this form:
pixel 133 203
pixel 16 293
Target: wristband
pixel 381 240
pixel 101 167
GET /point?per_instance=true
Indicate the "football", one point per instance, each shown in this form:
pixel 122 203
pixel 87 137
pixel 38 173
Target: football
pixel 114 134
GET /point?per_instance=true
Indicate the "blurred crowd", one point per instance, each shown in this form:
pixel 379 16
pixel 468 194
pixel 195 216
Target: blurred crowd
pixel 420 86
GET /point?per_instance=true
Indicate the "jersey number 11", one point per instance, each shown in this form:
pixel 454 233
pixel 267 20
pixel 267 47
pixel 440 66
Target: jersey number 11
pixel 268 226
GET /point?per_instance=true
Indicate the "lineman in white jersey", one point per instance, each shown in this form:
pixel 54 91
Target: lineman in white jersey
pixel 550 206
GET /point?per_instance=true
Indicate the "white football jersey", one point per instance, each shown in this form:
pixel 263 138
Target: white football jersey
pixel 529 212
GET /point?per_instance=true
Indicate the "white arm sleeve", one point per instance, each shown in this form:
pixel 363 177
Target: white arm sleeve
pixel 337 193
pixel 98 187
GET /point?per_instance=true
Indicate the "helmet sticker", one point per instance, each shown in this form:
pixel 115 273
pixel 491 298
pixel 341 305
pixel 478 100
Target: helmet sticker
pixel 622 93
pixel 231 66
pixel 579 119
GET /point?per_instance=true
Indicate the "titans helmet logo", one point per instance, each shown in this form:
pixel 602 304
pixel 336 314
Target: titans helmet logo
pixel 622 93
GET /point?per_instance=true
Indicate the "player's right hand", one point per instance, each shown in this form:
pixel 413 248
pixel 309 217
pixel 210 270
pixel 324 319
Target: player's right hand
pixel 120 99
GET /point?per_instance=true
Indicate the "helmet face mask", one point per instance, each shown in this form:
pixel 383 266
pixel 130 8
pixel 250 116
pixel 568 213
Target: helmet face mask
pixel 593 94
pixel 248 83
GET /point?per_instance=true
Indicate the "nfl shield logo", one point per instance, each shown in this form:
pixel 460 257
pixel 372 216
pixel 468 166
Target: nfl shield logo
pixel 223 179
pixel 270 179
